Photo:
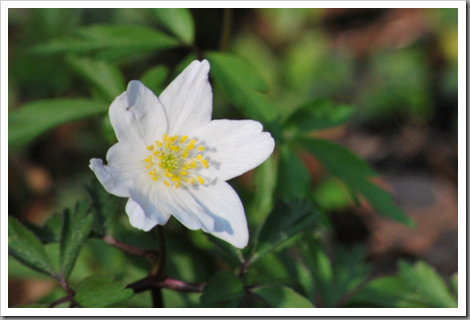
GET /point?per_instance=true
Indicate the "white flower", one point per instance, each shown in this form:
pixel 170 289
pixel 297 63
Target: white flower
pixel 171 159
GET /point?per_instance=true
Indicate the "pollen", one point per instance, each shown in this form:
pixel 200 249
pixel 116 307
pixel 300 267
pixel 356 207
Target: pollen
pixel 176 161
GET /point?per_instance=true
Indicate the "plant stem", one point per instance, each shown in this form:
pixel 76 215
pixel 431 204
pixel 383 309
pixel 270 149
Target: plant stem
pixel 168 283
pixel 157 271
pixel 226 29
pixel 60 301
pixel 130 249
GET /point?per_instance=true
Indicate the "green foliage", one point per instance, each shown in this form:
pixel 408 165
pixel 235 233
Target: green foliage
pixel 294 176
pixel 348 167
pixel 110 42
pixel 104 76
pixel 36 117
pixel 104 206
pixel 414 286
pixel 241 84
pixel 100 292
pixel 317 115
pixel 178 21
pixel 154 78
pixel 223 287
pixel 75 229
pixel 26 248
pixel 285 221
pixel 425 280
pixel 282 297
pixel 334 279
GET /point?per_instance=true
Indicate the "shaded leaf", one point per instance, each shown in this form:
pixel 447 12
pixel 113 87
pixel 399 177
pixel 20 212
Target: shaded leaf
pixel 26 248
pixel 223 287
pixel 154 78
pixel 293 176
pixel 425 280
pixel 388 292
pixel 110 42
pixel 317 115
pixel 231 253
pixel 104 76
pixel 104 205
pixel 348 167
pixel 34 118
pixel 100 292
pixel 285 221
pixel 178 20
pixel 282 297
pixel 76 226
pixel 240 83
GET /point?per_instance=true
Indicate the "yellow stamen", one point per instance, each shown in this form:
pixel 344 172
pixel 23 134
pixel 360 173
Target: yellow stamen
pixel 199 156
pixel 200 180
pixel 201 148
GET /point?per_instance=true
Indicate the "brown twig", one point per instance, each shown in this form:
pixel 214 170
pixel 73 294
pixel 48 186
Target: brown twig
pixel 168 283
pixel 130 249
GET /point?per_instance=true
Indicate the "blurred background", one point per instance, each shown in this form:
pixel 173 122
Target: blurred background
pixel 397 67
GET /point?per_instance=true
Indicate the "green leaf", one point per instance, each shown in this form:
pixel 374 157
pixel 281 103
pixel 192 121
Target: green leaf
pixel 293 176
pixel 177 20
pixel 100 292
pixel 428 282
pixel 285 221
pixel 104 76
pixel 282 297
pixel 34 118
pixel 317 115
pixel 228 251
pixel 104 205
pixel 348 167
pixel 110 42
pixel 388 292
pixel 223 287
pixel 240 83
pixel 26 248
pixel 454 281
pixel 154 78
pixel 75 229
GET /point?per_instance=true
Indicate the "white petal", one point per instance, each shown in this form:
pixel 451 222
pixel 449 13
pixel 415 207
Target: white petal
pixel 188 99
pixel 144 192
pixel 123 165
pixel 159 201
pixel 235 146
pixel 137 217
pixel 137 116
pixel 222 203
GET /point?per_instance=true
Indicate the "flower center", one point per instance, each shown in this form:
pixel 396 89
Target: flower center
pixel 176 161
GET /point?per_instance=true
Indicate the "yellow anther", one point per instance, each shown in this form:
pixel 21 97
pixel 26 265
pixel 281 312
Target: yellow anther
pixel 167 144
pixel 192 141
pixel 199 156
pixel 185 154
pixel 146 160
pixel 193 165
pixel 183 173
pixel 166 182
pixel 191 181
pixel 158 143
pixel 190 147
pixel 150 148
pixel 183 139
pixel 154 178
pixel 156 153
pixel 168 174
pixel 150 173
pixel 201 148
pixel 200 180
pixel 175 148
pixel 165 137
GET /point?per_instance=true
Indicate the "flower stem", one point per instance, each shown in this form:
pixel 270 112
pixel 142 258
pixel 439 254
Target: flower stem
pixel 157 271
pixel 226 29
pixel 130 249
